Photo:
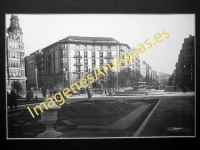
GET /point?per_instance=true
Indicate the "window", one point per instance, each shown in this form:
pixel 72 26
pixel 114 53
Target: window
pixel 86 68
pixel 105 47
pixel 101 61
pixel 77 53
pixel 89 46
pixel 97 47
pixel 10 44
pixel 78 61
pixel 113 48
pixel 93 62
pixel 82 47
pixel 93 54
pixel 101 54
pixel 72 45
pixel 121 47
pixel 65 53
pixel 78 69
pixel 85 54
pixel 15 45
pixel 85 61
pixel 109 54
pixel 64 60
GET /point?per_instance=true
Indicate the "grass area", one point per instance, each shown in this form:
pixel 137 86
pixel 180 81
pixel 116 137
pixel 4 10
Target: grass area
pixel 99 113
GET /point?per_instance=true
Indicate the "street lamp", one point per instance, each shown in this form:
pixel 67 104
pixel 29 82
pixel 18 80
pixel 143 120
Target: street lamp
pixel 63 70
pixel 36 77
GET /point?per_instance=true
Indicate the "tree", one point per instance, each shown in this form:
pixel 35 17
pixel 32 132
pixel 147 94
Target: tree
pixel 111 79
pixel 17 86
pixel 138 75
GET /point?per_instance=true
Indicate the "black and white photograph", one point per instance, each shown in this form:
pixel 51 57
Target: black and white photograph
pixel 100 76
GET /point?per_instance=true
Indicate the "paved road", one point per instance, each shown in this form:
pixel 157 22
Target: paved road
pixel 104 97
pixel 174 116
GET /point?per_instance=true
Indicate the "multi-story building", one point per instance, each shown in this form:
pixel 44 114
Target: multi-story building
pixel 184 73
pixel 66 61
pixel 31 67
pixel 15 68
pixel 143 70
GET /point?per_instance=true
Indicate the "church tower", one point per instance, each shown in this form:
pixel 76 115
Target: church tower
pixel 15 54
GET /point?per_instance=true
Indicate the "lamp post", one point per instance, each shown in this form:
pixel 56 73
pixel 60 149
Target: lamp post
pixel 36 77
pixel 64 76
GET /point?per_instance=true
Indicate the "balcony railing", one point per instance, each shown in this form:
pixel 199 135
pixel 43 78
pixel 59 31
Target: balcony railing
pixel 121 50
pixel 108 57
pixel 77 64
pixel 77 56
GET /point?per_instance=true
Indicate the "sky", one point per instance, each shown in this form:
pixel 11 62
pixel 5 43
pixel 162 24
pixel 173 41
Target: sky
pixel 41 30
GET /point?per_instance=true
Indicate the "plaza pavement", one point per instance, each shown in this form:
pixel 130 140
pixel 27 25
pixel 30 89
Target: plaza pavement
pixel 169 101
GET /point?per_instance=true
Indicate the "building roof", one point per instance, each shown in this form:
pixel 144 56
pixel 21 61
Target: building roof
pixel 88 39
pixel 14 24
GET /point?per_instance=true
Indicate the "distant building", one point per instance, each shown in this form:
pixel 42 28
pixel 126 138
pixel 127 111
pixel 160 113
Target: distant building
pixel 143 70
pixel 15 67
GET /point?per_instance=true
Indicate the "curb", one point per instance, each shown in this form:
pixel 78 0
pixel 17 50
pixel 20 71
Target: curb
pixel 141 128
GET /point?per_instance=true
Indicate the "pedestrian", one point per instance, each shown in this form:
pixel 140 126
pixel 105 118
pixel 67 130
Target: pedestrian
pixel 111 92
pixel 48 92
pixel 105 92
pixel 36 98
pixel 8 100
pixel 89 94
pixel 174 88
pixel 51 92
pixel 28 97
pixel 13 99
pixel 185 90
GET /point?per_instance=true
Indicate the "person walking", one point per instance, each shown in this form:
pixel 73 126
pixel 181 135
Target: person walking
pixel 174 88
pixel 48 92
pixel 51 92
pixel 111 92
pixel 28 97
pixel 89 94
pixel 13 99
pixel 185 90
pixel 8 100
pixel 36 98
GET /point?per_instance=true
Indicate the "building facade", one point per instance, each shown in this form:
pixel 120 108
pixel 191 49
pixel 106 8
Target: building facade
pixel 66 61
pixel 31 66
pixel 15 66
pixel 184 74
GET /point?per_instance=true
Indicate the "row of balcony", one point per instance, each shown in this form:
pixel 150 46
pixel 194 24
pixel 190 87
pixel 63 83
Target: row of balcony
pixel 105 57
pixel 80 64
pixel 108 49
